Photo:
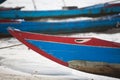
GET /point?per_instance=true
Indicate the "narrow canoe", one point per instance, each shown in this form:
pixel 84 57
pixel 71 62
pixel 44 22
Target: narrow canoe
pixel 90 11
pixel 90 25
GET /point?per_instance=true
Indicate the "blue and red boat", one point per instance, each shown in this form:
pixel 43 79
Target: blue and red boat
pixel 87 54
pixel 90 25
pixel 90 11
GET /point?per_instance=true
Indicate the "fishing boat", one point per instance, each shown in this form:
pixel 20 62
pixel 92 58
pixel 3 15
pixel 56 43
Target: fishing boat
pixel 90 11
pixel 10 8
pixel 1 1
pixel 62 27
pixel 87 54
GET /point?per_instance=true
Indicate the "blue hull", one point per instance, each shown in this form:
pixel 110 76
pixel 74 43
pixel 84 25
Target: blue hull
pixel 69 52
pixel 97 60
pixel 85 54
pixel 62 27
pixel 90 11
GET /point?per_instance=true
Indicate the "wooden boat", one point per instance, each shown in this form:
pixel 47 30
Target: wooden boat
pixel 1 1
pixel 91 55
pixel 10 8
pixel 90 11
pixel 94 25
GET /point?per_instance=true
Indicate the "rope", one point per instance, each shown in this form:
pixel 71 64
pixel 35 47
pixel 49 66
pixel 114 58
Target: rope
pixel 10 46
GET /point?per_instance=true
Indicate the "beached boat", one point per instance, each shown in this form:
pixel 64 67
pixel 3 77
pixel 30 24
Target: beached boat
pixel 91 55
pixel 90 11
pixel 1 1
pixel 94 25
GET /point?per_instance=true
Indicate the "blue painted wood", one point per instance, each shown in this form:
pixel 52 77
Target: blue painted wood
pixel 63 27
pixel 91 11
pixel 69 52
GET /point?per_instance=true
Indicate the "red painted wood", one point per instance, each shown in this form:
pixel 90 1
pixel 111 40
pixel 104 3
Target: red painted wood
pixel 21 36
pixel 7 20
pixel 113 5
pixel 91 42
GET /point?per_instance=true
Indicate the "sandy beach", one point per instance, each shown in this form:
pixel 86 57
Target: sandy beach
pixel 20 63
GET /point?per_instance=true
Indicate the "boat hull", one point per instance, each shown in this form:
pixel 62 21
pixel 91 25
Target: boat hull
pixel 78 52
pixel 100 68
pixel 91 11
pixel 98 25
pixel 86 56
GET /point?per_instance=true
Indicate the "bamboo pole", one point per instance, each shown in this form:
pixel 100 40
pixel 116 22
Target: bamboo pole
pixel 10 46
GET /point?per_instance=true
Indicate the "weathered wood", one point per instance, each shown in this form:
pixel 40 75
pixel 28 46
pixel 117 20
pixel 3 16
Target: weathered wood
pixel 96 67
